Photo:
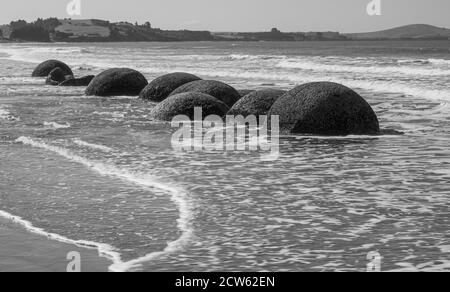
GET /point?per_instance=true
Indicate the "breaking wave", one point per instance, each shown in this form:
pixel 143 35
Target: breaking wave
pixel 178 195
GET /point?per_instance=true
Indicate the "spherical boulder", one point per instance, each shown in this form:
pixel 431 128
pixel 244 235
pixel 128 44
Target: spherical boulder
pixel 82 81
pixel 219 90
pixel 184 104
pixel 43 69
pixel 160 88
pixel 244 92
pixel 256 103
pixel 117 81
pixel 325 108
pixel 56 76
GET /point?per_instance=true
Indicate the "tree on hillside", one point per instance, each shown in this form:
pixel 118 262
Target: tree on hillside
pixel 18 24
pixel 275 30
pixel 48 24
pixel 31 33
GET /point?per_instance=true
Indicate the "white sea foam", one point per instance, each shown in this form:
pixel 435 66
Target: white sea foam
pixel 347 70
pixel 444 265
pixel 19 80
pixel 366 227
pixel 177 195
pixel 370 85
pixel 379 86
pixel 348 137
pixel 91 145
pixel 439 61
pixel 444 248
pixel 321 67
pixel 105 250
pixel 6 115
pixel 241 57
pixel 56 125
pixel 34 53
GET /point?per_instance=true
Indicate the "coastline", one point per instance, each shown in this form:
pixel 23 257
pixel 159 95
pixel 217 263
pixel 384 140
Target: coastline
pixel 23 251
pixel 53 30
pixel 7 41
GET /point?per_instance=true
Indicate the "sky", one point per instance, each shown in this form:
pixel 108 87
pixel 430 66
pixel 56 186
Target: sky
pixel 242 15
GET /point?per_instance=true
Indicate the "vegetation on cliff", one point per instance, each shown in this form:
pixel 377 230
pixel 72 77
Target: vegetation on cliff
pixel 94 30
pixel 37 31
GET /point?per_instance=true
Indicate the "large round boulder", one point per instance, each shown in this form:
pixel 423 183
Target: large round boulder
pixel 43 69
pixel 256 103
pixel 160 88
pixel 185 103
pixel 56 76
pixel 219 90
pixel 325 108
pixel 117 81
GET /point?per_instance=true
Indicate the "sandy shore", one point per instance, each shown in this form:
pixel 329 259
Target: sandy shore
pixel 22 251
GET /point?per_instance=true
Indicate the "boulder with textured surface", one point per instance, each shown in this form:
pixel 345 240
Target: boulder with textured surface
pixel 44 69
pixel 185 103
pixel 56 76
pixel 256 103
pixel 117 82
pixel 160 88
pixel 219 90
pixel 325 108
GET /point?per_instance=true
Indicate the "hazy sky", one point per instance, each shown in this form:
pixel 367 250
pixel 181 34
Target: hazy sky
pixel 242 15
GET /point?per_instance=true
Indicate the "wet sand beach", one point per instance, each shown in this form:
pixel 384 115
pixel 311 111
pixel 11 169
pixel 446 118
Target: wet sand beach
pixel 21 251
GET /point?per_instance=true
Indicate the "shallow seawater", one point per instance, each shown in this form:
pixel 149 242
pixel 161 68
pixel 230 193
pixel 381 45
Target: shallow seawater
pixel 98 169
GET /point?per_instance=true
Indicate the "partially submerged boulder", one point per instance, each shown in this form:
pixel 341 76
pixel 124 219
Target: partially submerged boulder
pixel 56 76
pixel 219 90
pixel 325 108
pixel 82 81
pixel 185 103
pixel 160 88
pixel 116 82
pixel 44 69
pixel 256 103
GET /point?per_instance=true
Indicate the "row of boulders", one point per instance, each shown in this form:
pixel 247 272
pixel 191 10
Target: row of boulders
pixel 59 73
pixel 323 108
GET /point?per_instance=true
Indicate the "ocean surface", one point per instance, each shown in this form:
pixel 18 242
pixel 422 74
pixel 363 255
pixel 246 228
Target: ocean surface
pixel 97 172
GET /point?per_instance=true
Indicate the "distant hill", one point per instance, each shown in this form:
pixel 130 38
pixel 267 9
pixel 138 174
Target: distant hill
pixel 74 29
pixel 414 31
pixel 276 35
pixel 94 30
